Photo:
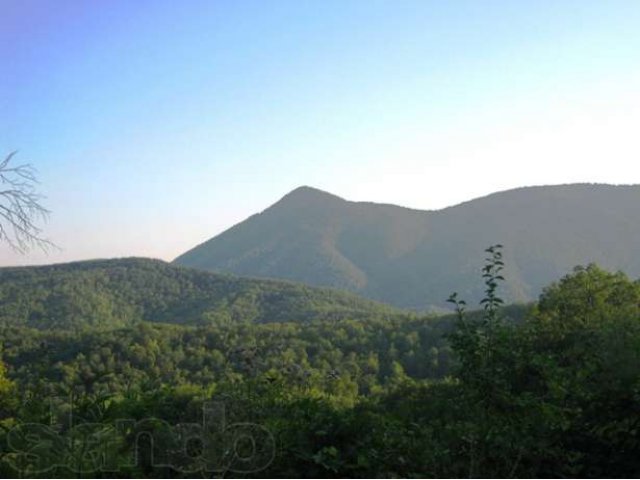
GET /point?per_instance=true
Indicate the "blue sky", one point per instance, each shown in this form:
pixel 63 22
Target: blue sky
pixel 157 124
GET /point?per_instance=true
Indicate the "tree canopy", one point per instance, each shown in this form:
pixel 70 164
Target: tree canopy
pixel 550 390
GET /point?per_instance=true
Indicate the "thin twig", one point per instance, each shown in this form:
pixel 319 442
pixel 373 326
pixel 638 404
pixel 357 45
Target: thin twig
pixel 20 208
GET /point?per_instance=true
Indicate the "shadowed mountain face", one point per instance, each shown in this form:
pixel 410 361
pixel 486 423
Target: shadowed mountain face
pixel 412 258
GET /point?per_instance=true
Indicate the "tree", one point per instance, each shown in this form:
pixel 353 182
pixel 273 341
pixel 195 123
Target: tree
pixel 558 394
pixel 7 388
pixel 20 207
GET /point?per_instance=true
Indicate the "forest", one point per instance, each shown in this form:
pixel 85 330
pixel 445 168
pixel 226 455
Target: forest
pixel 549 389
pixel 107 294
pixel 319 239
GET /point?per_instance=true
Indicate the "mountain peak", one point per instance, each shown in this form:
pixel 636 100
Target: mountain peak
pixel 416 258
pixel 306 194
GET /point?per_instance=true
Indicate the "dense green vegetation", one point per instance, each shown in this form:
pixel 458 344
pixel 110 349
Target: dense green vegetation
pixel 363 354
pixel 414 259
pixel 119 293
pixel 551 390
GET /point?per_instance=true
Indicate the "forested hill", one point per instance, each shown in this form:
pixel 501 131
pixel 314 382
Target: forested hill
pixel 117 293
pixel 412 258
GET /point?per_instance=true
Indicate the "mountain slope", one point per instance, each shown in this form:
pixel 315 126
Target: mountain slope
pixel 412 258
pixel 116 293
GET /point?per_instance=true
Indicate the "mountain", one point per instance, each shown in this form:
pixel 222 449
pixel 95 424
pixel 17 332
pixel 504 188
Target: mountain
pixel 415 259
pixel 120 292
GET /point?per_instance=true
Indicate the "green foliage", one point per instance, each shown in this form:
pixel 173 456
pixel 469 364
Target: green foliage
pixel 551 391
pixel 349 356
pixel 109 294
pixel 7 392
pixel 5 383
pixel 558 394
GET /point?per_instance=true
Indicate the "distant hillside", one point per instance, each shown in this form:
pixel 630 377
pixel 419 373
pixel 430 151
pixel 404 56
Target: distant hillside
pixel 412 258
pixel 116 293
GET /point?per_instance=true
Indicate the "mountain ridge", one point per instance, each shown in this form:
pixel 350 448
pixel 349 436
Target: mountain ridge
pixel 415 258
pixel 114 293
pixel 307 189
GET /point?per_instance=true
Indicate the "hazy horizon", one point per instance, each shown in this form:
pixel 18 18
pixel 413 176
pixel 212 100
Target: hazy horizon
pixel 155 126
pixel 39 257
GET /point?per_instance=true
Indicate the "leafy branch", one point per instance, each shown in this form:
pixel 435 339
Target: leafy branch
pixel 492 275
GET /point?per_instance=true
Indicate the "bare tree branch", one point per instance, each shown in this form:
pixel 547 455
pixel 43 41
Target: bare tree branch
pixel 20 208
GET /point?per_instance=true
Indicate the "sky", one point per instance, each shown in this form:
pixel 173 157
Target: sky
pixel 155 125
